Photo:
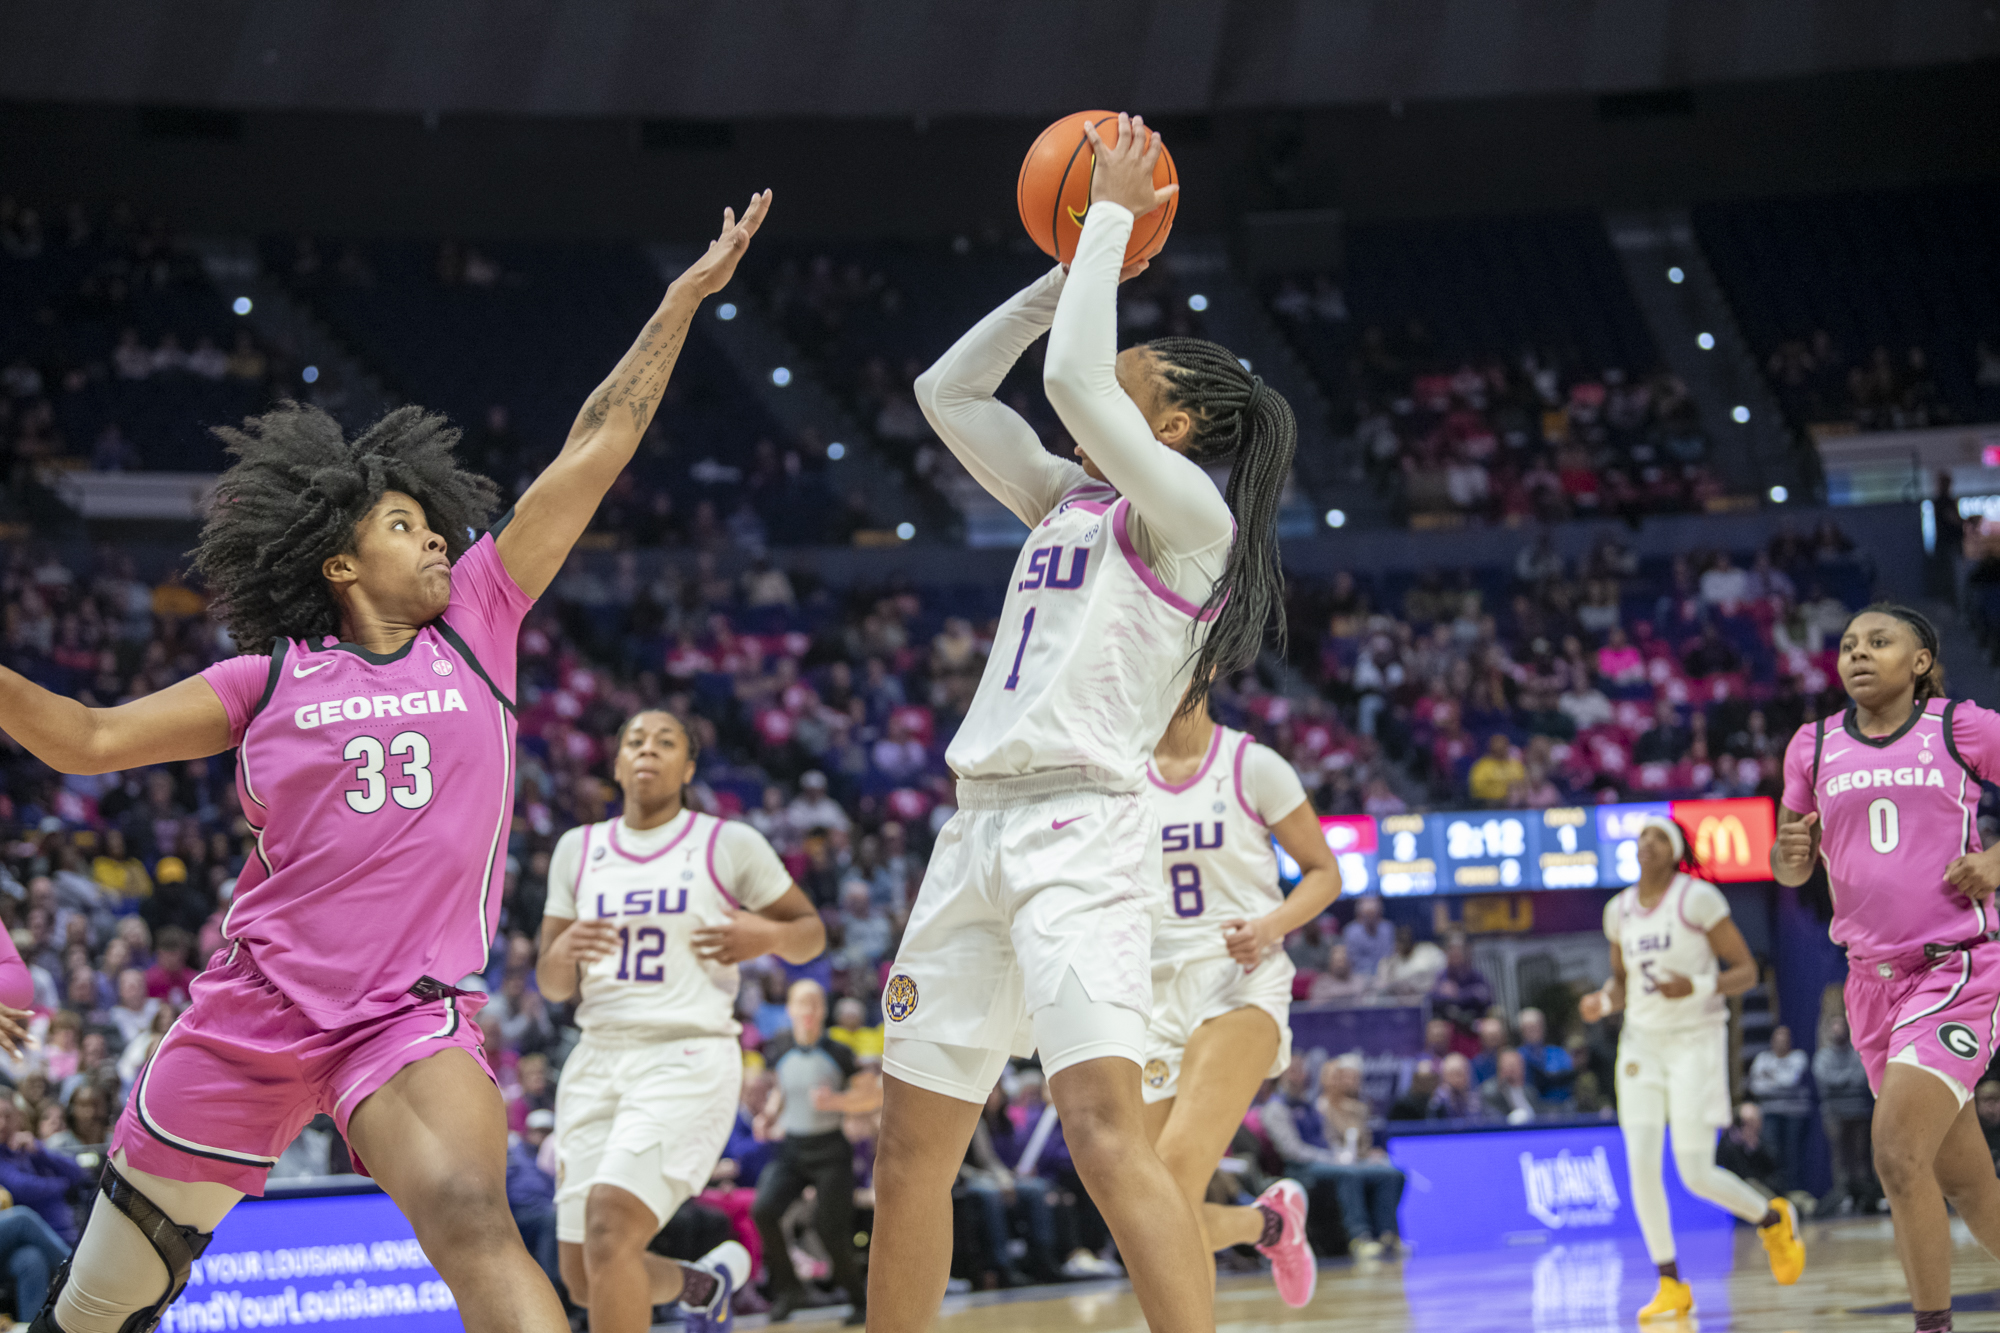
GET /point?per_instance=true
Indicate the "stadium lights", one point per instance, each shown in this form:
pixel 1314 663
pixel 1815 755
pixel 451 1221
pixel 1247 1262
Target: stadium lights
pixel 781 376
pixel 726 311
pixel 906 530
pixel 1336 518
pixel 1197 302
pixel 241 305
pixel 1705 341
pixel 310 374
pixel 1739 414
pixel 1675 276
pixel 1779 495
pixel 836 451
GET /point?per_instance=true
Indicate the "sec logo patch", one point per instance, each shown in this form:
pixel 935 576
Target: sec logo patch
pixel 899 1000
pixel 1156 1073
pixel 1631 1068
pixel 1959 1039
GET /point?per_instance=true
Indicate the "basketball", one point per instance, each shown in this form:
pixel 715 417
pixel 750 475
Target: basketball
pixel 1054 190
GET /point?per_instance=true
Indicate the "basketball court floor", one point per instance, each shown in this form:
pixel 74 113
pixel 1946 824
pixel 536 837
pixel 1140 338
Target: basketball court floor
pixel 1852 1282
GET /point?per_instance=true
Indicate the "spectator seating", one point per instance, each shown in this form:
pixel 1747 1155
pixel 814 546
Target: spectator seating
pixel 1497 370
pixel 1875 310
pixel 532 330
pixel 115 350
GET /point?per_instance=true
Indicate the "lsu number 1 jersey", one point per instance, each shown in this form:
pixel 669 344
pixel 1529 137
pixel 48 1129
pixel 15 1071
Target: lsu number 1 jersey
pixel 379 788
pixel 1670 937
pixel 1894 812
pixel 1215 836
pixel 658 886
pixel 1092 654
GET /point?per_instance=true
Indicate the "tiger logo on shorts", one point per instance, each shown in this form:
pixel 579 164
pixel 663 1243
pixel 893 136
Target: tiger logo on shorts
pixel 899 1001
pixel 1156 1073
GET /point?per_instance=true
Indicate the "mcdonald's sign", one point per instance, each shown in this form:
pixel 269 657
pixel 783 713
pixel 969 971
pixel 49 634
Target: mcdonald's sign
pixel 1732 838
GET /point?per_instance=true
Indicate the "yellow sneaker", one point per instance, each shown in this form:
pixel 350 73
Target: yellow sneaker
pixel 1674 1300
pixel 1784 1244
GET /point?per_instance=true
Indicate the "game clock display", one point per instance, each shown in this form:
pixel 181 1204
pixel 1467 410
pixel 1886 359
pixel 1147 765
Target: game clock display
pixel 1564 847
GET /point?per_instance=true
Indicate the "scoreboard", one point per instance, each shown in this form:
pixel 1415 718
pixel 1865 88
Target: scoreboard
pixel 1565 847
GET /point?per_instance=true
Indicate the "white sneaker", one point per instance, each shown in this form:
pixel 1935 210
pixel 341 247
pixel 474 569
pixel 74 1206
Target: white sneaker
pixel 1366 1249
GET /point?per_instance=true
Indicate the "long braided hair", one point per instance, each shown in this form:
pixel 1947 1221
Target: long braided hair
pixel 1929 685
pixel 1240 420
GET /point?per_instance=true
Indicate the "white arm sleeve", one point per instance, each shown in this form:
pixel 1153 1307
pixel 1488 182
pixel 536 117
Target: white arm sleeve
pixel 1703 905
pixel 1183 514
pixel 1613 919
pixel 565 864
pixel 1270 787
pixel 998 448
pixel 748 867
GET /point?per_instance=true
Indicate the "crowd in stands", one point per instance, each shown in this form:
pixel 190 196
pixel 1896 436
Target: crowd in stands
pixel 1834 392
pixel 873 317
pixel 115 349
pixel 1536 438
pixel 441 324
pixel 1554 683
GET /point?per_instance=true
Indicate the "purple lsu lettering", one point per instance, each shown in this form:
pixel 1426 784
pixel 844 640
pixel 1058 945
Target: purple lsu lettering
pixel 414 704
pixel 1044 566
pixel 641 902
pixel 1659 943
pixel 1189 837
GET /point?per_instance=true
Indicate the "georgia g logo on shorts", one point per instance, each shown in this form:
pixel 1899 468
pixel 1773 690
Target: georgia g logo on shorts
pixel 1959 1039
pixel 899 1000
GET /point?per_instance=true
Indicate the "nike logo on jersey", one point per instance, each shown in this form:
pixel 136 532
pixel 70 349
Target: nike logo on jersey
pixel 300 671
pixel 1062 824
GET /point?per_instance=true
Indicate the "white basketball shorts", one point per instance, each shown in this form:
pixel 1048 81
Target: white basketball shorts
pixel 1033 878
pixel 648 1116
pixel 1187 992
pixel 1674 1077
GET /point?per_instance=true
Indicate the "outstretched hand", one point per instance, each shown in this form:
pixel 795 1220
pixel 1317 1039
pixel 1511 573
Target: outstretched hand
pixel 1124 168
pixel 712 272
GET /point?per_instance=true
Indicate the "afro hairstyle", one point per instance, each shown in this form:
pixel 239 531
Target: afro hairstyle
pixel 292 498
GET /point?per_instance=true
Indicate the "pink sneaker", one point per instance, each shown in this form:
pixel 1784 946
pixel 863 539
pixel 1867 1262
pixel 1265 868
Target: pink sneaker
pixel 1293 1267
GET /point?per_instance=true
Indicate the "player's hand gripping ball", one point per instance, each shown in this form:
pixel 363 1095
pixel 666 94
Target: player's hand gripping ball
pixel 1054 191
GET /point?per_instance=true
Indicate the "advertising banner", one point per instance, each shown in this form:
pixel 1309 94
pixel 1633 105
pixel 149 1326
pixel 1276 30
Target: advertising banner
pixel 340 1262
pixel 1484 1189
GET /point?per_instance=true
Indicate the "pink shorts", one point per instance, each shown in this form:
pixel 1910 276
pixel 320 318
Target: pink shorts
pixel 1946 1011
pixel 242 1071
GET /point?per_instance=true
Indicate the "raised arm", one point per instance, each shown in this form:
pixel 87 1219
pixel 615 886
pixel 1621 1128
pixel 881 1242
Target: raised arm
pixel 183 721
pixel 997 447
pixel 1173 495
pixel 558 506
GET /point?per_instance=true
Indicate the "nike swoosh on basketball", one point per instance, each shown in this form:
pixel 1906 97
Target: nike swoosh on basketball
pixel 301 672
pixel 1061 824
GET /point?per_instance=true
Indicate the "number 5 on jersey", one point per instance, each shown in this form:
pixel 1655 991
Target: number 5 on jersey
pixel 414 748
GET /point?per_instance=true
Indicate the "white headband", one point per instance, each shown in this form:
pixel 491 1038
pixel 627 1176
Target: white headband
pixel 1671 829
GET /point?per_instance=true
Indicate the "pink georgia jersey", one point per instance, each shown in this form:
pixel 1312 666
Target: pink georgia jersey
pixel 1894 812
pixel 380 789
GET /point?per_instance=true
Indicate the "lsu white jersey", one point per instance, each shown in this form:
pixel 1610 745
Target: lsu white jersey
pixel 653 986
pixel 1215 836
pixel 1672 937
pixel 1091 657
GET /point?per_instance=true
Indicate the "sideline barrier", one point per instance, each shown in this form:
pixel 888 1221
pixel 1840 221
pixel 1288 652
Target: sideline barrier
pixel 1483 1187
pixel 333 1253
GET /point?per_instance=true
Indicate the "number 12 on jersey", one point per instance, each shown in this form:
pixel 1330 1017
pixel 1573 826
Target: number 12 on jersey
pixel 652 943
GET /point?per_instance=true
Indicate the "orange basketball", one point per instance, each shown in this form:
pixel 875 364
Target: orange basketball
pixel 1054 190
